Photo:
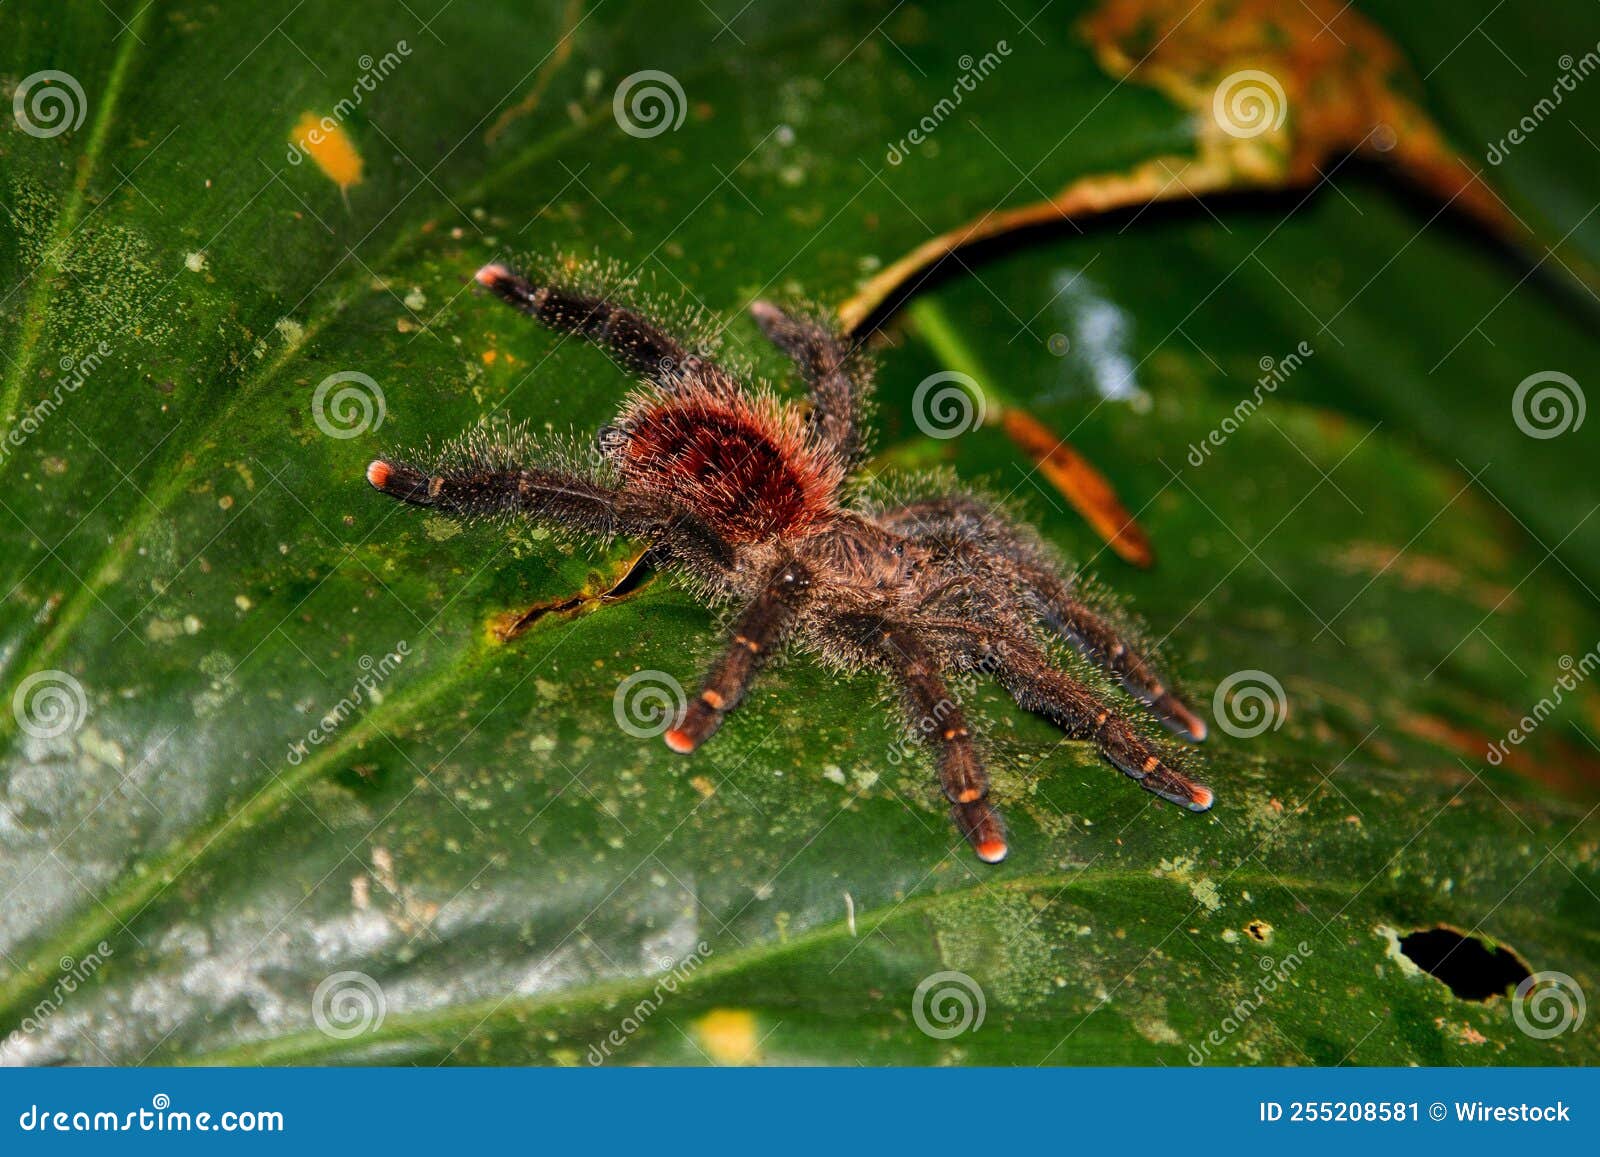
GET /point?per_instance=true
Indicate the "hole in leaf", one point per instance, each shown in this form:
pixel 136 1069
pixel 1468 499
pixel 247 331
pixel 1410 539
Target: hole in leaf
pixel 1471 969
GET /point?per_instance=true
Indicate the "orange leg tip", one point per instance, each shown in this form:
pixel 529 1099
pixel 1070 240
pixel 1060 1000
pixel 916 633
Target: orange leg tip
pixel 971 795
pixel 1201 798
pixel 1188 724
pixel 991 851
pixel 679 741
pixel 378 473
pixel 492 274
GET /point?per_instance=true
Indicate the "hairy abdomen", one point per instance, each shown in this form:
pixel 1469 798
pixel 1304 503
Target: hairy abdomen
pixel 751 474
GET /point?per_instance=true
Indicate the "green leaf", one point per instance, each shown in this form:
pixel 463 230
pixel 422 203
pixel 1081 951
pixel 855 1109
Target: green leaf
pixel 189 872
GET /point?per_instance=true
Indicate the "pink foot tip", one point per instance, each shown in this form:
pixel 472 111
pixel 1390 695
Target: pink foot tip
pixel 992 851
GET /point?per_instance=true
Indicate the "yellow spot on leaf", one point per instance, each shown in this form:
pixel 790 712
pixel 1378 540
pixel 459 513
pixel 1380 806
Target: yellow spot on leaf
pixel 728 1036
pixel 325 142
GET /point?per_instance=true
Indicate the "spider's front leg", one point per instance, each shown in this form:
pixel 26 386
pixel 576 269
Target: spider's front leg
pixel 962 525
pixel 1027 674
pixel 759 630
pixel 1098 641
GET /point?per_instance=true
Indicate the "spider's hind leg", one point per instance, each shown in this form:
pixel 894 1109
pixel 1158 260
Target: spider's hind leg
pixel 554 496
pixel 632 341
pixel 839 378
pixel 469 491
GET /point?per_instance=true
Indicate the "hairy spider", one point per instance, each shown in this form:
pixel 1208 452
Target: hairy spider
pixel 743 494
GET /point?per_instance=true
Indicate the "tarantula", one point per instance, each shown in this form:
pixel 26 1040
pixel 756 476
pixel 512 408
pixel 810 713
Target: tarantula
pixel 743 494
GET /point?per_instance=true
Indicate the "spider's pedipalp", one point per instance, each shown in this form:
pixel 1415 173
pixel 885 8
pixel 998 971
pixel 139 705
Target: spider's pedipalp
pixel 839 379
pixel 935 716
pixel 759 630
pixel 983 828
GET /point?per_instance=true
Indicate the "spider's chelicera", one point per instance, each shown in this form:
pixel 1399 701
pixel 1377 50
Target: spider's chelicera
pixel 744 495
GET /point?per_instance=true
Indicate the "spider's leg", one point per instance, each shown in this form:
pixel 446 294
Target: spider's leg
pixel 960 524
pixel 1098 641
pixel 467 492
pixel 1026 673
pixel 632 342
pixel 839 379
pixel 934 714
pixel 760 628
pixel 556 496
